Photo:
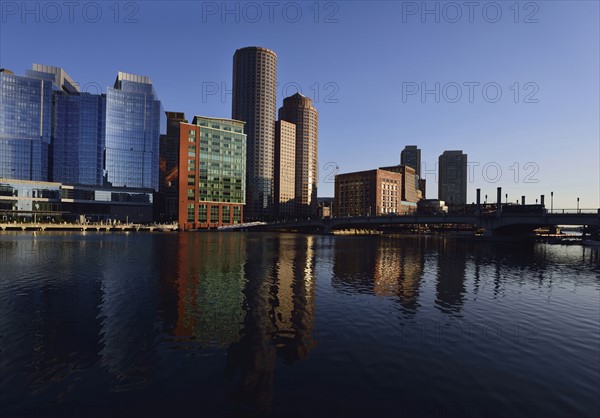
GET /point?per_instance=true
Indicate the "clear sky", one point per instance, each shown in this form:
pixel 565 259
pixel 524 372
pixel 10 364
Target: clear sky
pixel 365 65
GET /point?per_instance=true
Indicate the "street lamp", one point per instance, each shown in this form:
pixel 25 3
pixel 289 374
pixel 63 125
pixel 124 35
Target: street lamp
pixel 506 197
pixel 551 201
pixel 577 205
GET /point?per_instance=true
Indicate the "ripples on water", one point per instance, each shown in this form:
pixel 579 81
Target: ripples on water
pixel 244 324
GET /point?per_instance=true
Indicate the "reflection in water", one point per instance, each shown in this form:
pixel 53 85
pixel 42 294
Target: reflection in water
pixel 149 321
pixel 254 355
pixel 64 333
pixel 450 288
pixel 381 265
pixel 294 299
pixel 279 316
pixel 128 309
pixel 397 272
pixel 210 279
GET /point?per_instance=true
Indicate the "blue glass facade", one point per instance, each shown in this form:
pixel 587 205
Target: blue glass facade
pixel 134 122
pixel 25 127
pixel 78 138
pixel 50 131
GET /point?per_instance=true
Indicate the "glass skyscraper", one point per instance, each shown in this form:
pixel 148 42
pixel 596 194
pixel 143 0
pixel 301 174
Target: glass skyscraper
pixel 134 122
pixel 78 138
pixel 50 131
pixel 25 126
pixel 77 133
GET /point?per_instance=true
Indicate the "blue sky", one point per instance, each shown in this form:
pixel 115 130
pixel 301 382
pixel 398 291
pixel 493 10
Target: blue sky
pixel 365 65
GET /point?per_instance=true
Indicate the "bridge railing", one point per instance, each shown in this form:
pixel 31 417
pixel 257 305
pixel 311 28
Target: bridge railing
pixel 572 211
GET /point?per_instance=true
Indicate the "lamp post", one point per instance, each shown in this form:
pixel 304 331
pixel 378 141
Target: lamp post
pixel 577 205
pixel 506 197
pixel 551 201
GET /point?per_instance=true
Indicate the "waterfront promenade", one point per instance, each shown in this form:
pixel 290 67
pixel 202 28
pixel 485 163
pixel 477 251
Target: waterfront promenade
pixel 37 226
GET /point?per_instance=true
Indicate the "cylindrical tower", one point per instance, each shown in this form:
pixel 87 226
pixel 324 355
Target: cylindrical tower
pixel 298 109
pixel 254 102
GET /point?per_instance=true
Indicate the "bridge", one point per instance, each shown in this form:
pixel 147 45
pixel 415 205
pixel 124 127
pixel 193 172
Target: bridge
pixel 495 224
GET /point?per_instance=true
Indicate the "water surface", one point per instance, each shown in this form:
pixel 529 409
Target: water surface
pixel 285 325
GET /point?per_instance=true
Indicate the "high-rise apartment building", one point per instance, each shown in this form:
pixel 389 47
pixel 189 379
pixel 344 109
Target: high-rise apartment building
pixel 254 102
pixel 299 110
pixel 134 121
pixel 212 172
pixel 452 181
pixel 411 157
pixel 285 169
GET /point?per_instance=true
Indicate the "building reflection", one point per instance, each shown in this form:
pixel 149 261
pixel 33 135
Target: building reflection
pixel 450 286
pixel 210 282
pixel 60 321
pixel 128 309
pixel 251 293
pixel 398 270
pixel 294 306
pixel 354 261
pixel 384 266
pixel 279 317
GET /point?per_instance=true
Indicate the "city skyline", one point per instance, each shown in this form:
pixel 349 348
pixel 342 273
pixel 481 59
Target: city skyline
pixel 566 111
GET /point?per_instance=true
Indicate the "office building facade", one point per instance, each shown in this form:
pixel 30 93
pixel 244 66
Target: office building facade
pixel 25 127
pixel 78 138
pixel 411 156
pixel 51 131
pixel 78 127
pixel 254 102
pixel 452 178
pixel 212 173
pixel 134 122
pixel 299 110
pixel 55 202
pixel 285 170
pixel 368 193
pixel 409 191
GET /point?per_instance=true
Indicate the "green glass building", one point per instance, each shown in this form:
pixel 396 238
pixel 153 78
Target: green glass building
pixel 212 172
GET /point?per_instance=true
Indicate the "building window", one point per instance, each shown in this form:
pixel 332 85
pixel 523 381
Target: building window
pixel 214 214
pixel 190 213
pixel 225 214
pixel 202 213
pixel 237 214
